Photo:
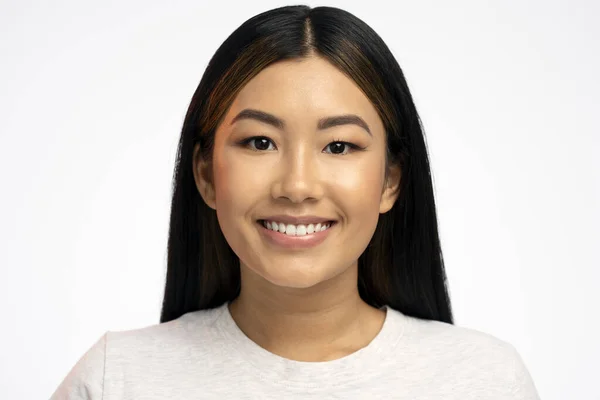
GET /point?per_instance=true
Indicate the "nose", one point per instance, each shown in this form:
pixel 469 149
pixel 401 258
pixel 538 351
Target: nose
pixel 299 177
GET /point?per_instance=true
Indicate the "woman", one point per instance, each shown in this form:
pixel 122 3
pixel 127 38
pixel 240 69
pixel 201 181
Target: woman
pixel 303 257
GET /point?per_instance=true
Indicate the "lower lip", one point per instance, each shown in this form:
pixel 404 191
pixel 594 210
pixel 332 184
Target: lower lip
pixel 294 242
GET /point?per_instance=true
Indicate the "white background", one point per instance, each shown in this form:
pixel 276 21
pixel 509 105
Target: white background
pixel 92 98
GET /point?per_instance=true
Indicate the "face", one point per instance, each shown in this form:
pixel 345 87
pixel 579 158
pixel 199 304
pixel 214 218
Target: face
pixel 290 166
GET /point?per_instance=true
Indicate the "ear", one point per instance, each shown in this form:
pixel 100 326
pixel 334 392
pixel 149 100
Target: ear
pixel 391 189
pixel 203 175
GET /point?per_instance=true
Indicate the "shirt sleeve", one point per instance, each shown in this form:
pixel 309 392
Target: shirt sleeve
pixel 523 387
pixel 85 381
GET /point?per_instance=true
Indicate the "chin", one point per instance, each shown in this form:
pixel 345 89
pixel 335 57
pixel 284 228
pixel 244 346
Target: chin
pixel 296 277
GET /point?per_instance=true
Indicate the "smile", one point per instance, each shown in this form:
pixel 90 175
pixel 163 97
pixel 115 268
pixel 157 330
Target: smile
pixel 296 230
pixel 290 236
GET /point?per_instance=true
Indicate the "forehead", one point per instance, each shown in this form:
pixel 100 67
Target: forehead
pixel 301 91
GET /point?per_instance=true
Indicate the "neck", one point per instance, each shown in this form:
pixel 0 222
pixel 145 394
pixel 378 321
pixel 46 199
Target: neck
pixel 320 323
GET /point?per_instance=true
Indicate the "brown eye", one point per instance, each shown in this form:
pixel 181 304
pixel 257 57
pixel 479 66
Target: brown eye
pixel 337 147
pixel 261 143
pixel 258 143
pixel 341 148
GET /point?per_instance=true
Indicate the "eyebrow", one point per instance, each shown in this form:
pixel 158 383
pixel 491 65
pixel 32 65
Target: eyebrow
pixel 323 123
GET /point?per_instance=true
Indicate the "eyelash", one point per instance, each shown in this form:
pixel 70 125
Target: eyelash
pixel 353 147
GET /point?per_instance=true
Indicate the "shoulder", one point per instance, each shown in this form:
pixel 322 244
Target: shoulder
pixel 162 340
pixel 464 354
pixel 443 337
pixel 86 379
pixel 116 353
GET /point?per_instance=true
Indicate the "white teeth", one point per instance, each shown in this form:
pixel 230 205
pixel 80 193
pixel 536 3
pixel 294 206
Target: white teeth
pixel 296 230
pixel 290 230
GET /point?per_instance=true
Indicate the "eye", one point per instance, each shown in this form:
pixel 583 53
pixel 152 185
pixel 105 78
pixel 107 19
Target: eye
pixel 258 143
pixel 341 148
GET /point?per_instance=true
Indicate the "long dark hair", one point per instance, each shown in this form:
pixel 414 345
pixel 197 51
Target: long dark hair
pixel 402 266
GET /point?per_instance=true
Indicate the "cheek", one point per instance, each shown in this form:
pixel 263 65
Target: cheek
pixel 238 185
pixel 228 193
pixel 232 201
pixel 359 187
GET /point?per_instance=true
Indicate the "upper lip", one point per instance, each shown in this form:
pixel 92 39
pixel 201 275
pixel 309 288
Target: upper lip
pixel 304 219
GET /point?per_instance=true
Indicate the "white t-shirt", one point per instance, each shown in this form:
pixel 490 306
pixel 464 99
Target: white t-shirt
pixel 204 355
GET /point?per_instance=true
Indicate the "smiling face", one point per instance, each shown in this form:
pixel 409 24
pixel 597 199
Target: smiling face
pixel 291 160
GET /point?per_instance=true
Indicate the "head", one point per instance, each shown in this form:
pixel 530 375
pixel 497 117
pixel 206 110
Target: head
pixel 304 113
